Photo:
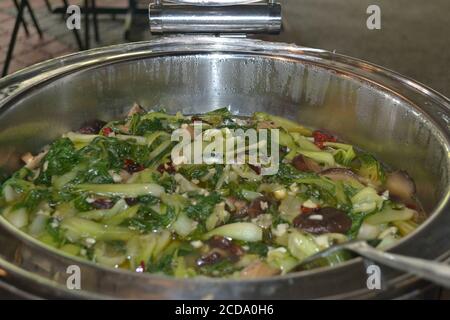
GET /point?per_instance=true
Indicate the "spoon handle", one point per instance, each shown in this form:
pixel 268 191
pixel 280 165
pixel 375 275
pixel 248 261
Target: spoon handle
pixel 433 271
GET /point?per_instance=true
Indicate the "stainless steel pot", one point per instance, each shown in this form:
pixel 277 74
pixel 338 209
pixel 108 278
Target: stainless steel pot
pixel 399 120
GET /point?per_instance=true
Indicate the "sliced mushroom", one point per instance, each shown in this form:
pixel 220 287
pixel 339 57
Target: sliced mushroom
pixel 257 169
pixel 237 207
pixel 32 162
pixel 199 118
pixel 324 220
pixel 266 124
pixel 342 174
pixel 136 108
pixel 124 175
pixel 302 163
pixel 258 206
pixel 401 186
pixel 258 269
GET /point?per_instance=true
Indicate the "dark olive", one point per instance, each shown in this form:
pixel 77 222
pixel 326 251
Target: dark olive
pixel 166 167
pixel 131 201
pixel 102 203
pixel 209 259
pixel 92 127
pixel 223 243
pixel 324 220
pixel 219 242
pixel 131 166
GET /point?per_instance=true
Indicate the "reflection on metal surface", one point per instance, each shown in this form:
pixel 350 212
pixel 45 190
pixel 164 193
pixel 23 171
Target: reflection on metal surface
pixel 231 17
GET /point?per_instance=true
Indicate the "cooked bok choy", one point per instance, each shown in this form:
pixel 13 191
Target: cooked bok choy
pixel 112 194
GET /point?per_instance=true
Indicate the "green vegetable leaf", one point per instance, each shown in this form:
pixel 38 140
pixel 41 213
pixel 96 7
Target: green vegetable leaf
pixel 371 169
pixel 258 248
pixel 148 125
pixel 164 265
pixel 149 220
pixel 61 158
pixel 203 206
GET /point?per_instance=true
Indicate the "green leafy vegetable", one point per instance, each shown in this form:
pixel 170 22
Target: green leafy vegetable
pixel 203 206
pixel 61 158
pixel 371 169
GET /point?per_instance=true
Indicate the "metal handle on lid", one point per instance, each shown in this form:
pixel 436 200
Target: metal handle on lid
pixel 217 17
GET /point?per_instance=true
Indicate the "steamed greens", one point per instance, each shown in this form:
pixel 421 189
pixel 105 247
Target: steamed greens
pixel 110 193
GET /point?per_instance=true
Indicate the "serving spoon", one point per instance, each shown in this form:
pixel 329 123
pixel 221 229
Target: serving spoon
pixel 436 272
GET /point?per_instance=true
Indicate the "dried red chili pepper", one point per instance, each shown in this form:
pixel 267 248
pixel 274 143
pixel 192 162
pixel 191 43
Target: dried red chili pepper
pixel 320 137
pixel 107 131
pixel 308 210
pixel 141 267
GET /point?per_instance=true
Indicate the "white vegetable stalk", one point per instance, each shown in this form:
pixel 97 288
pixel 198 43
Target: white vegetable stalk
pixel 244 231
pixel 125 190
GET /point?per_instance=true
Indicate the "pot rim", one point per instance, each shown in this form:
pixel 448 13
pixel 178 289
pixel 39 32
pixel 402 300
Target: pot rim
pixel 17 84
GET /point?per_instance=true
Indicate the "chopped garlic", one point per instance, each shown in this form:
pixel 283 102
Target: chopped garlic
pixel 280 194
pixel 264 205
pixel 280 230
pixel 90 200
pixel 392 231
pixel 196 244
pixel 43 212
pixel 279 249
pixel 263 220
pixel 90 241
pixel 323 241
pixel 116 177
pixel 293 187
pixel 54 224
pixel 309 204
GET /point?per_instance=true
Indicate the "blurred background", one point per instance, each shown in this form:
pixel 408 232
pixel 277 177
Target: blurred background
pixel 414 38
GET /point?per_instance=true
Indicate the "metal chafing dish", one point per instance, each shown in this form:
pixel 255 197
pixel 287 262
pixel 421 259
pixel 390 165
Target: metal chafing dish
pixel 401 121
